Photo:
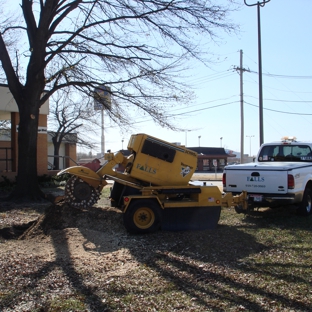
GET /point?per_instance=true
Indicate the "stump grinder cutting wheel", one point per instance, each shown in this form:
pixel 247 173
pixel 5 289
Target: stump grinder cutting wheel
pixel 79 194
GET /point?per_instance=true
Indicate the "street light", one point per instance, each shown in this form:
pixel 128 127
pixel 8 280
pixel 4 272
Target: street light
pixel 122 143
pixel 199 140
pixel 221 141
pixel 250 136
pixel 186 131
pixel 259 4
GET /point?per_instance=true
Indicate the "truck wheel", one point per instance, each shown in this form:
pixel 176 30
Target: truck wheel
pixel 143 216
pixel 79 194
pixel 305 207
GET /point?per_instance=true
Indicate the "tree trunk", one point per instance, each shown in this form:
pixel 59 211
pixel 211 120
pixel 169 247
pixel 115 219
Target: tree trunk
pixel 27 179
pixel 56 161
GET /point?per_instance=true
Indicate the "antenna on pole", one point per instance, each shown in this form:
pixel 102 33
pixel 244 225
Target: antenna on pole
pixel 102 100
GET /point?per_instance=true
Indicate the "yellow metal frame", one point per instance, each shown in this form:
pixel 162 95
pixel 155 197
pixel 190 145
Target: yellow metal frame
pixel 141 167
pixel 86 174
pixel 209 196
pixel 168 178
pixel 97 179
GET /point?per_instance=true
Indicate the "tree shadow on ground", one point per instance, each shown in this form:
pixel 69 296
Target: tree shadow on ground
pixel 215 268
pixel 281 217
pixel 208 266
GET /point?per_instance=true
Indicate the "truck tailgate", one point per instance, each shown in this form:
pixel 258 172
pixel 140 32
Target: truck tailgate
pixel 256 179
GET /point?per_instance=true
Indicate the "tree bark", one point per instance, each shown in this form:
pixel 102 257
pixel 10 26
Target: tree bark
pixel 56 160
pixel 27 180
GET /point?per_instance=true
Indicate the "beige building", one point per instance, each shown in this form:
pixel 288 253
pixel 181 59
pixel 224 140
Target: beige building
pixel 9 139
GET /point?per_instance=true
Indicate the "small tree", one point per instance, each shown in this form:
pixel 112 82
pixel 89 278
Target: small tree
pixel 138 48
pixel 69 115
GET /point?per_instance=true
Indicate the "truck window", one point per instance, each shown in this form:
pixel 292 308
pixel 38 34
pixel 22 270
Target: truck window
pixel 281 152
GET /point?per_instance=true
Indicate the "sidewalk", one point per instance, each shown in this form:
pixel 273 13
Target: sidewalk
pixel 209 176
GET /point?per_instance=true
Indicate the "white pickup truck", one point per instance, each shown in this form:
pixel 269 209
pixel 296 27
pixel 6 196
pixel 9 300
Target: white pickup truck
pixel 280 175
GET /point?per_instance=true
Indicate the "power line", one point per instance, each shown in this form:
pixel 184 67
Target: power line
pixel 282 76
pixel 278 75
pixel 211 78
pixel 207 102
pixel 277 111
pixel 281 90
pixel 183 113
pixel 201 109
pixel 276 100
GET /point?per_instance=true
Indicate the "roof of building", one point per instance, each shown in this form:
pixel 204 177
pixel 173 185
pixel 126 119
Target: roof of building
pixel 125 152
pixel 209 151
pixel 68 138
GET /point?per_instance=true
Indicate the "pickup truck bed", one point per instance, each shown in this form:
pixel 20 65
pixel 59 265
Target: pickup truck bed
pixel 274 180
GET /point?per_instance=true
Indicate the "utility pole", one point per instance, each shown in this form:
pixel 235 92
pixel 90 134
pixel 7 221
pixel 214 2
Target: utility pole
pixel 186 131
pixel 102 100
pixel 260 4
pixel 241 71
pixel 102 132
pixel 250 136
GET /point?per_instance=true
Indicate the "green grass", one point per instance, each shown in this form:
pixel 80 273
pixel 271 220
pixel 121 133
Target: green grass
pixel 73 303
pixel 105 192
pixel 256 262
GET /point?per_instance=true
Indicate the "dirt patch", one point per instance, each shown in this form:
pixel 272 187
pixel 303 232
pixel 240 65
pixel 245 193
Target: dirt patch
pixel 84 260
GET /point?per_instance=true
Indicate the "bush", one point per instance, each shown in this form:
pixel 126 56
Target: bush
pixel 44 181
pixel 53 181
pixel 7 184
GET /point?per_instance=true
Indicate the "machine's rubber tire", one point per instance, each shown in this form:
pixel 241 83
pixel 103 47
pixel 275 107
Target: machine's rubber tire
pixel 80 194
pixel 305 207
pixel 143 216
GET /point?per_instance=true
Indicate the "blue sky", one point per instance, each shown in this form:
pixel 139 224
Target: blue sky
pixel 287 81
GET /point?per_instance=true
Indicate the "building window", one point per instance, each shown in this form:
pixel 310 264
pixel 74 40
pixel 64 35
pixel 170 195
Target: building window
pixel 206 162
pixel 206 166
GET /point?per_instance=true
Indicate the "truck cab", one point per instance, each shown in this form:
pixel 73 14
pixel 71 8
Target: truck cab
pixel 286 150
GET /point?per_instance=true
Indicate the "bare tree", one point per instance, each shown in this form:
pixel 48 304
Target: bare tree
pixel 68 116
pixel 136 47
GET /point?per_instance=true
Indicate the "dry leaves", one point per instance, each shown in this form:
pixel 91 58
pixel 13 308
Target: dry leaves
pixel 85 261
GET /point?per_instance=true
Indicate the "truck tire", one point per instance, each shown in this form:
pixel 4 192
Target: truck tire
pixel 79 194
pixel 143 216
pixel 305 207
